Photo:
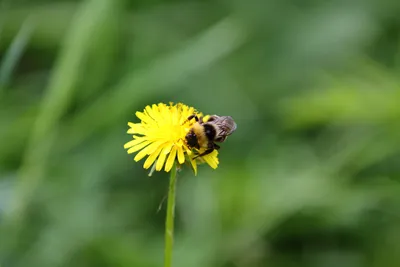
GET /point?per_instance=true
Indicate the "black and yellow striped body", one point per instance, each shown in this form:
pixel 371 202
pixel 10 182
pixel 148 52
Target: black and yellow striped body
pixel 204 134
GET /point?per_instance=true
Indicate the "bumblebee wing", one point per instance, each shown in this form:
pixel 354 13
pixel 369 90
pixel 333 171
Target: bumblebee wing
pixel 226 125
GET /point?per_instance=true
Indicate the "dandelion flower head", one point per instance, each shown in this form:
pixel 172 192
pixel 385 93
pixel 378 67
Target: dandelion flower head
pixel 160 135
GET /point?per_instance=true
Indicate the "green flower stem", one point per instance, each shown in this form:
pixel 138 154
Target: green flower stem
pixel 169 221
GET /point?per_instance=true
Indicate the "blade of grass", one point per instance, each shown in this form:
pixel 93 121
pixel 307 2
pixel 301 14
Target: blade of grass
pixel 3 11
pixel 14 52
pixel 56 100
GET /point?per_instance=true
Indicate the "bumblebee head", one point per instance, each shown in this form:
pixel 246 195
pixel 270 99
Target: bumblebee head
pixel 191 139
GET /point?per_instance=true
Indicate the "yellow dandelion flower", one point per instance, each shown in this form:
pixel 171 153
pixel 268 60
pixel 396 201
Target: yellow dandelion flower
pixel 160 135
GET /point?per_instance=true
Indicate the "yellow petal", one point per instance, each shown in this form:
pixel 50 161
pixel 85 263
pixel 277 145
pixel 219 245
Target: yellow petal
pixel 167 148
pixel 181 155
pixel 155 108
pixel 150 160
pixel 212 159
pixel 171 159
pixel 194 165
pixel 134 142
pixel 188 151
pixel 137 129
pixel 132 126
pixel 211 162
pixel 155 113
pixel 161 158
pixel 140 155
pixel 152 147
pixel 138 147
pixel 191 111
pixel 206 118
pixel 163 114
pixel 151 113
pixel 159 109
pixel 174 115
pixel 143 117
pixel 184 115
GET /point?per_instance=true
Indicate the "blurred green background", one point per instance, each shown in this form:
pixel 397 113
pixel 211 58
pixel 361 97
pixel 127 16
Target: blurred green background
pixel 310 177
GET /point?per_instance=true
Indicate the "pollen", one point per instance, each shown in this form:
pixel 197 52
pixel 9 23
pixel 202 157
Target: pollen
pixel 160 138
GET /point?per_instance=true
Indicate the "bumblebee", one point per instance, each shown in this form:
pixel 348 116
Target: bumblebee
pixel 205 134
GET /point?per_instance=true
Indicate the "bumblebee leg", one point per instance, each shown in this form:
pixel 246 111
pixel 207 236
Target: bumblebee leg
pixel 211 147
pixel 208 151
pixel 193 116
